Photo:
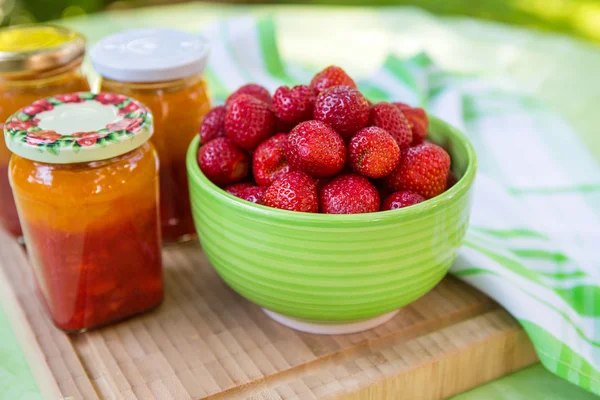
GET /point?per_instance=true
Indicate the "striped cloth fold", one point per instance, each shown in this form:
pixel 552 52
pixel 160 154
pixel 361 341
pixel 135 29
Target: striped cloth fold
pixel 536 209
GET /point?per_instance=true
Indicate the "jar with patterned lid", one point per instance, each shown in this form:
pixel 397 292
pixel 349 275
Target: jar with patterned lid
pixel 36 61
pixel 163 68
pixel 85 182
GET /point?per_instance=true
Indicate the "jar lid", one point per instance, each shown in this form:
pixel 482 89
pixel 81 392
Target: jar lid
pixel 150 55
pixel 29 49
pixel 78 127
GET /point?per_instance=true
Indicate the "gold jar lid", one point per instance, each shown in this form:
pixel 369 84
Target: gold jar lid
pixel 33 49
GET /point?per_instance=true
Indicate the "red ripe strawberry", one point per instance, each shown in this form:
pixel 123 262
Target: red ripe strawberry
pixel 238 188
pixel 295 191
pixel 330 76
pixel 451 181
pixel 223 162
pixel 373 152
pixel 213 125
pixel 251 89
pixel 294 105
pixel 418 121
pixel 403 198
pixel 316 149
pixel 344 108
pixel 390 118
pixel 283 127
pixel 349 194
pixel 423 169
pixel 255 194
pixel 383 189
pixel 321 182
pixel 268 161
pixel 248 192
pixel 249 121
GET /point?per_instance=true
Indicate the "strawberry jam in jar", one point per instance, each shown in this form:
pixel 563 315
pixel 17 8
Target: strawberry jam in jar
pixel 36 61
pixel 85 183
pixel 163 68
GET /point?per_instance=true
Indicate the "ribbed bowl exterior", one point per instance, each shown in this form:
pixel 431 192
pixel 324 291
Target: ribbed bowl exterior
pixel 323 267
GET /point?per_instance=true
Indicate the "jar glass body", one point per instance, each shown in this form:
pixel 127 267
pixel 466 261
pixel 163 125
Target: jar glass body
pixel 178 108
pixel 18 93
pixel 93 235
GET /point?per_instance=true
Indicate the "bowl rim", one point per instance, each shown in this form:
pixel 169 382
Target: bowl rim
pixel 460 187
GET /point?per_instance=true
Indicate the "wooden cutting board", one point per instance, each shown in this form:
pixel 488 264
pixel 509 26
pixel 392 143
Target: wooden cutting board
pixel 205 341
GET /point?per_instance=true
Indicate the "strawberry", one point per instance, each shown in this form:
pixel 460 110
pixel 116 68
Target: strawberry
pixel 400 199
pixel 373 152
pixel 295 191
pixel 213 125
pixel 423 169
pixel 390 118
pixel 255 194
pixel 268 161
pixel 223 162
pixel 316 149
pixel 237 188
pixel 251 89
pixel 344 108
pixel 330 76
pixel 383 189
pixel 249 121
pixel 349 194
pixel 321 182
pixel 418 121
pixel 294 105
pixel 283 127
pixel 248 192
pixel 451 181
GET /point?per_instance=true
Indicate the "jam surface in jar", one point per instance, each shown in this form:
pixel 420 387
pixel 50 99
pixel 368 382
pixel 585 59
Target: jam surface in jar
pixel 91 227
pixel 163 69
pixel 22 83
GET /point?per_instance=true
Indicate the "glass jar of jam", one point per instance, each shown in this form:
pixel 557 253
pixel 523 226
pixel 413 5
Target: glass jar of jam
pixel 36 61
pixel 85 183
pixel 163 69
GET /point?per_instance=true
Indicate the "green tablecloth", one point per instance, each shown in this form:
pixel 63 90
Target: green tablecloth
pixel 556 69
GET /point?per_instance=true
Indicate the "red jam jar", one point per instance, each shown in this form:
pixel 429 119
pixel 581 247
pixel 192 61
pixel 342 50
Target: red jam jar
pixel 36 61
pixel 163 68
pixel 85 183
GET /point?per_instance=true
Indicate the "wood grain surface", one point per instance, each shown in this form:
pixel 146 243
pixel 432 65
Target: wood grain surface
pixel 205 341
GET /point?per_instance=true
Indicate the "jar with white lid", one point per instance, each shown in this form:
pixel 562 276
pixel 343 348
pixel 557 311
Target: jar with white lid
pixel 163 68
pixel 85 183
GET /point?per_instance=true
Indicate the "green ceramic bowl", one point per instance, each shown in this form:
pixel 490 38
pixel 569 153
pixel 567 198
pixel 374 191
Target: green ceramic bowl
pixel 334 268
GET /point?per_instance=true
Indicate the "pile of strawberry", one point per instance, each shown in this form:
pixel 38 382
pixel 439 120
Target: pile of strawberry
pixel 321 148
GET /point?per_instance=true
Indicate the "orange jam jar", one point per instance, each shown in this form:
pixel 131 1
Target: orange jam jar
pixel 36 61
pixel 163 69
pixel 85 183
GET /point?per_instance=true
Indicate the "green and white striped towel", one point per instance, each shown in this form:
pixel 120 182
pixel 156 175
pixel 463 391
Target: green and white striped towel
pixel 536 212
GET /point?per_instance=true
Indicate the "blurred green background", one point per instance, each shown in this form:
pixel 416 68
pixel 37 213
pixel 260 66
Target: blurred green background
pixel 579 18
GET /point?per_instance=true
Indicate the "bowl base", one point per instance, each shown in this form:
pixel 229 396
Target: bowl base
pixel 333 327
